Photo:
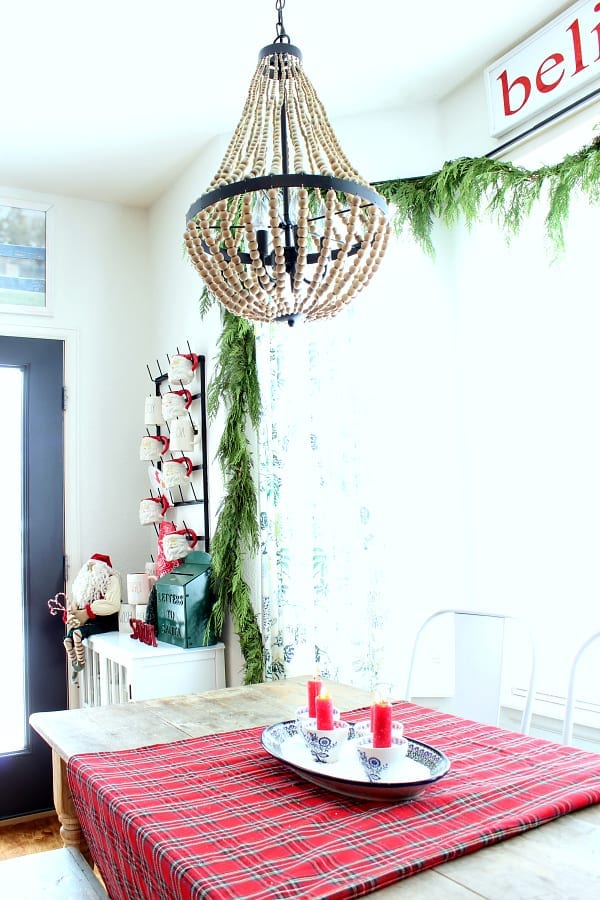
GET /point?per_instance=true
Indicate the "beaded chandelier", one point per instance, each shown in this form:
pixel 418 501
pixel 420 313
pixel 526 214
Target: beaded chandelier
pixel 287 229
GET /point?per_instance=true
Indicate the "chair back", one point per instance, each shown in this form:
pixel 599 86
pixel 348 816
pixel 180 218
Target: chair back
pixel 479 646
pixel 572 687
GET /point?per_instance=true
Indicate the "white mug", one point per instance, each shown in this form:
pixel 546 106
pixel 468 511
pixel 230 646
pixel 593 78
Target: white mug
pixel 176 472
pixel 153 411
pixel 126 612
pixel 138 588
pixel 182 368
pixel 181 434
pixel 176 403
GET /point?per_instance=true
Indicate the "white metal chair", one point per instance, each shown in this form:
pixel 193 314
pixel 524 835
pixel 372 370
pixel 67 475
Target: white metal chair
pixel 479 663
pixel 570 705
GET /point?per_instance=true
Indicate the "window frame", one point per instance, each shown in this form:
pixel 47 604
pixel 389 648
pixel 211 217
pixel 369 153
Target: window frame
pixel 25 309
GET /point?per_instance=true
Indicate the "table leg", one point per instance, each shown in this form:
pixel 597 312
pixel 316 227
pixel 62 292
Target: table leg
pixel 70 831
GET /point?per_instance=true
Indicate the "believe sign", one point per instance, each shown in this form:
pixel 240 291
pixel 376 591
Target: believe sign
pixel 553 64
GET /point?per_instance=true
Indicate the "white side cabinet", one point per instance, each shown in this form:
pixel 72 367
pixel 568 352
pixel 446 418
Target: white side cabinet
pixel 119 669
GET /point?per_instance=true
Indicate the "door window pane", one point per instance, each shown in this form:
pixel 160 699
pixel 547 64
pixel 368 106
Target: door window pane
pixel 12 658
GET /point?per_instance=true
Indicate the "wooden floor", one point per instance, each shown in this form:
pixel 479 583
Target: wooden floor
pixel 30 836
pixel 36 835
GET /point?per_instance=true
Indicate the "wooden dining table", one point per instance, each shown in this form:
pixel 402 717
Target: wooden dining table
pixel 559 859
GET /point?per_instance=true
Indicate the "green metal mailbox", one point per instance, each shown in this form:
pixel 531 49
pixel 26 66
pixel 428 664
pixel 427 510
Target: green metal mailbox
pixel 184 603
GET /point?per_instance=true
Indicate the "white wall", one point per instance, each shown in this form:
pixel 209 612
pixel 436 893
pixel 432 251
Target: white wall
pixel 391 144
pixel 100 307
pixel 176 289
pixel 527 326
pixel 464 126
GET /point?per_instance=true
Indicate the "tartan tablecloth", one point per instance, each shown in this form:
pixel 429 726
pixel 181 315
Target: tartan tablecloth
pixel 218 817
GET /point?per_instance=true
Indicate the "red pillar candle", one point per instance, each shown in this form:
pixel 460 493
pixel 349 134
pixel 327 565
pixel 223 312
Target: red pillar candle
pixel 324 711
pixel 314 689
pixel 381 722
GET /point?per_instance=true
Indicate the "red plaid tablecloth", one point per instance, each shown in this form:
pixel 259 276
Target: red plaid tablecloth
pixel 217 817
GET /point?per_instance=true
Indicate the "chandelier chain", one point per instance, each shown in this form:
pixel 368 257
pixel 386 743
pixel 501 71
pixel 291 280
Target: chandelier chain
pixel 282 35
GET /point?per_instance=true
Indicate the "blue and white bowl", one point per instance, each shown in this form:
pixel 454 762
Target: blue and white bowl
pixel 325 745
pixel 363 731
pixel 382 763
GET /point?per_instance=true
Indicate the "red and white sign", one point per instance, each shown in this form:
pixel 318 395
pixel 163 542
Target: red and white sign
pixel 555 63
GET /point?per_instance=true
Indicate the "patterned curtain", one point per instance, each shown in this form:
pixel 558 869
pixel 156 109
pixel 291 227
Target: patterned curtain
pixel 335 495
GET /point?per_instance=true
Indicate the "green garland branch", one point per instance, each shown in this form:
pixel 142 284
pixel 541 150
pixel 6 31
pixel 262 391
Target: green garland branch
pixel 235 386
pixel 471 188
pixel 466 188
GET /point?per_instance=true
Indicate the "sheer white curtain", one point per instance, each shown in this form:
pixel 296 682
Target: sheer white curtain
pixel 359 476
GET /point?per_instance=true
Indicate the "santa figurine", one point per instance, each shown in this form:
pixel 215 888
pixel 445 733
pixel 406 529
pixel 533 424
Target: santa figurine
pixel 93 607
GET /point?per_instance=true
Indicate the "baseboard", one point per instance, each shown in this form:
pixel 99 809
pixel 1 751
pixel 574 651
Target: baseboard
pixel 550 727
pixel 31 817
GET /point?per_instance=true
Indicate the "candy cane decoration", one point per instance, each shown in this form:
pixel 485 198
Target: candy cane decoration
pixel 56 606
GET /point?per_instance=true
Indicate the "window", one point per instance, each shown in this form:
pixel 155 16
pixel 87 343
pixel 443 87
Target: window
pixel 23 281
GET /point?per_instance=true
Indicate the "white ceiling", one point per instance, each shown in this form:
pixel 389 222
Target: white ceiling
pixel 111 101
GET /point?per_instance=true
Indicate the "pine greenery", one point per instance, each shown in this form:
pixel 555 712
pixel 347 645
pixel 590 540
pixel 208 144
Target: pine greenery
pixel 465 188
pixel 234 386
pixel 470 188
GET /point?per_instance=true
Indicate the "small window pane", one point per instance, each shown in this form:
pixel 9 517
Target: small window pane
pixel 22 256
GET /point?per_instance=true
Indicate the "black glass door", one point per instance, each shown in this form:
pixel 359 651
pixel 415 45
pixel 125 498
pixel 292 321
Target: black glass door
pixel 32 669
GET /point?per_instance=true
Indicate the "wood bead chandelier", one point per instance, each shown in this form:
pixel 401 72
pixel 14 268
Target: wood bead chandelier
pixel 287 229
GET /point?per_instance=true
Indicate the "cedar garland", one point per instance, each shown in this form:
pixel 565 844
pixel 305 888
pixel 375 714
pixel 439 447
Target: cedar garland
pixel 466 188
pixel 235 386
pixel 470 188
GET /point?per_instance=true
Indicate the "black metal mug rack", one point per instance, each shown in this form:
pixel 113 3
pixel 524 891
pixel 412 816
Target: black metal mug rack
pixel 199 424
